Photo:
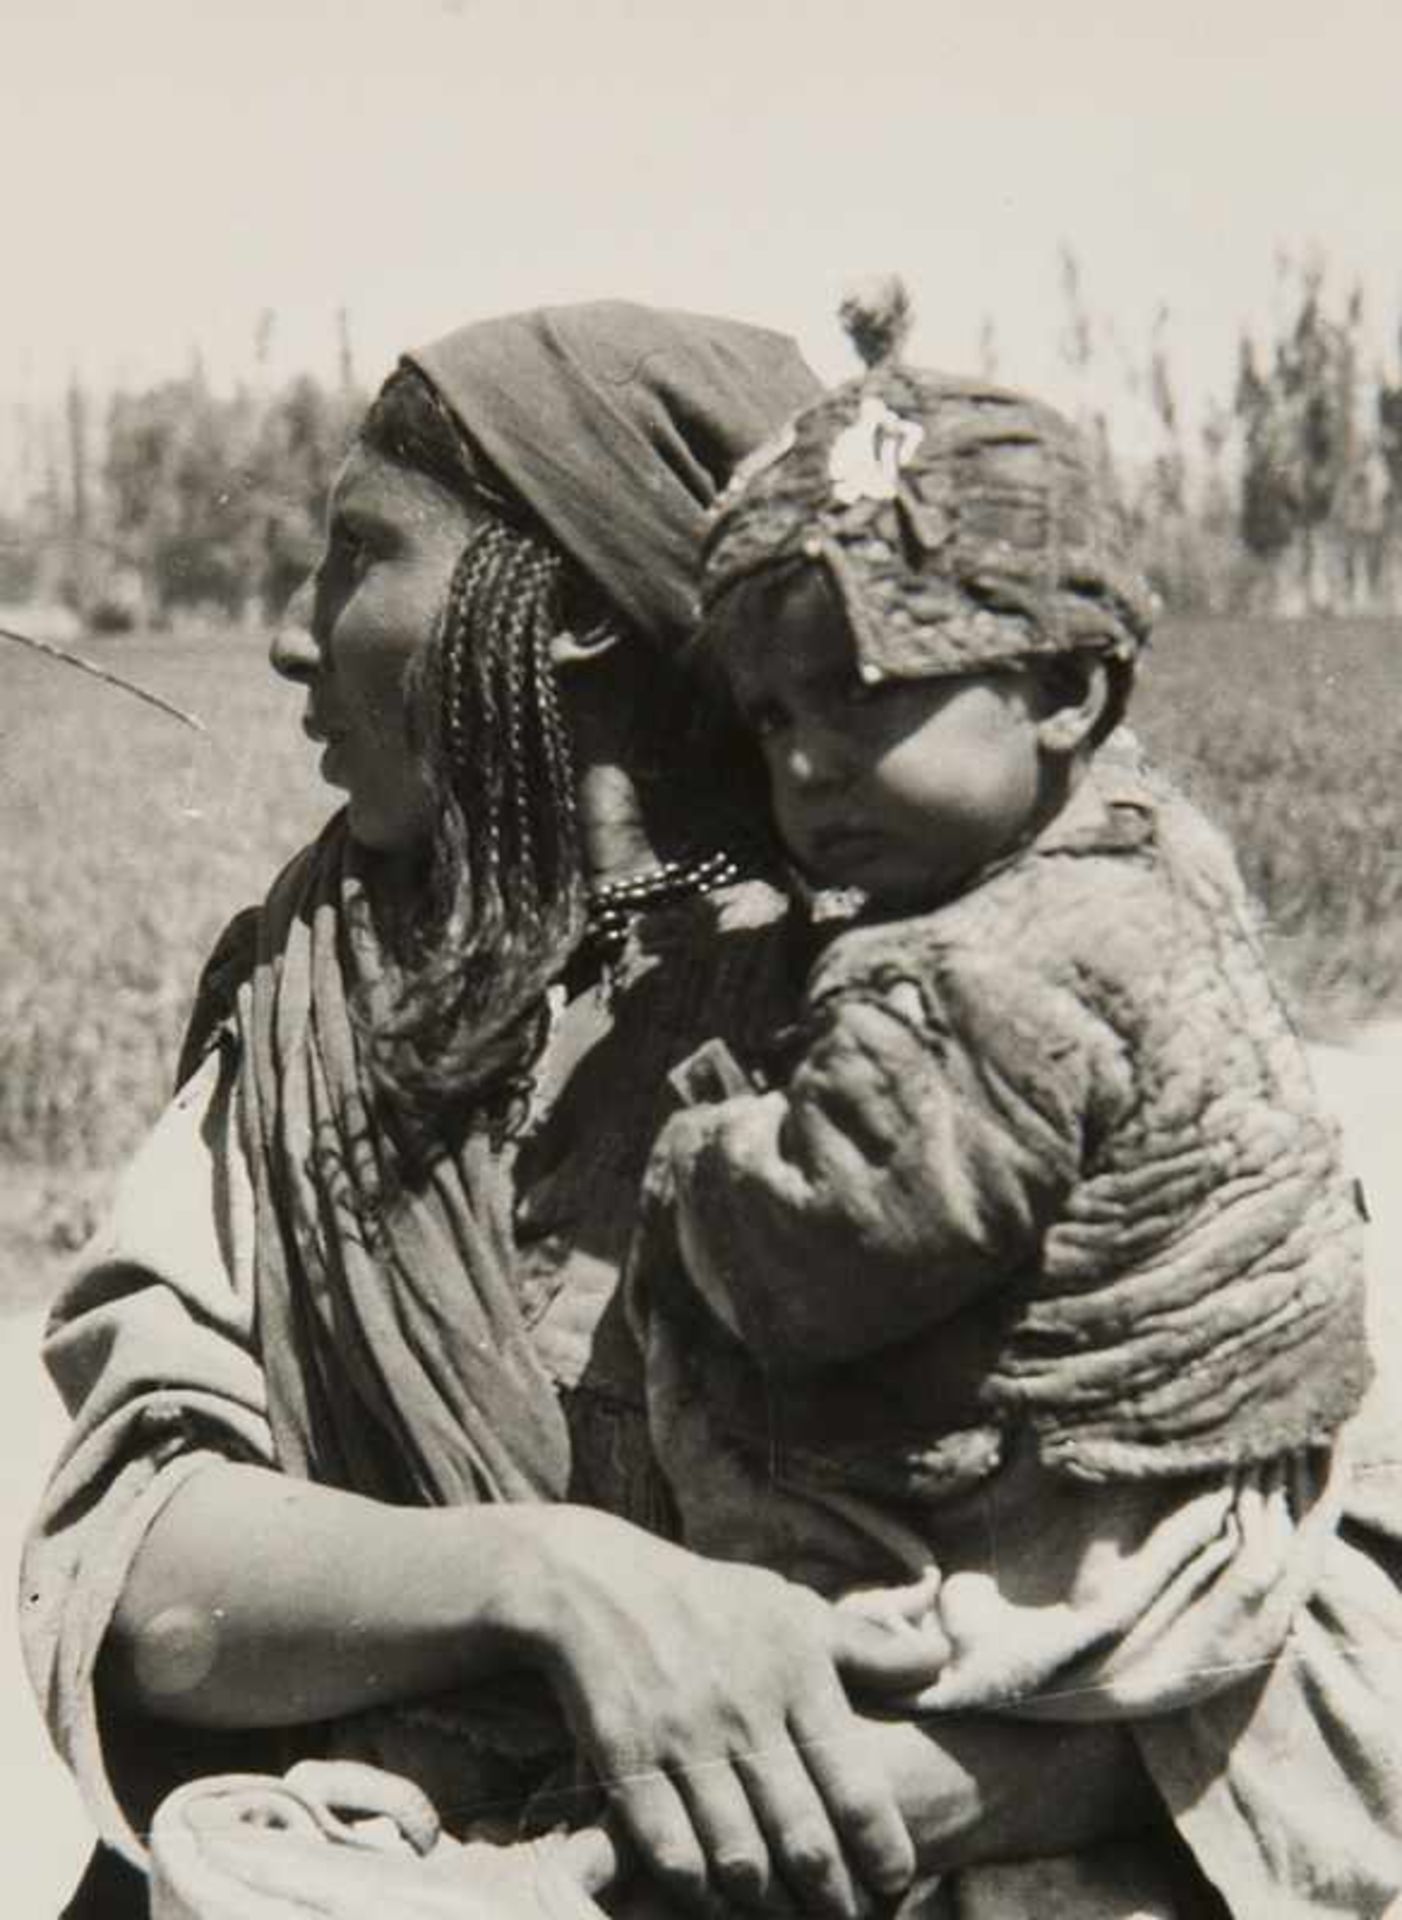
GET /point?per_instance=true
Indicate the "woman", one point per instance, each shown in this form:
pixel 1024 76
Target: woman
pixel 358 1465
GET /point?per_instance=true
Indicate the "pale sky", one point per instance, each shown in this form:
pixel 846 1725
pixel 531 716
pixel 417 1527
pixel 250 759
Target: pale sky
pixel 171 168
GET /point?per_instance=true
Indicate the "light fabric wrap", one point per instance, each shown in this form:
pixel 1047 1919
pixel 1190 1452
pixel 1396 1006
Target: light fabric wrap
pixel 345 1843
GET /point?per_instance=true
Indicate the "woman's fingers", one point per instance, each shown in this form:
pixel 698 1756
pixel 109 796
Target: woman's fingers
pixel 589 1857
pixel 844 1764
pixel 807 1850
pixel 806 1821
pixel 708 1701
pixel 662 1828
pixel 737 1852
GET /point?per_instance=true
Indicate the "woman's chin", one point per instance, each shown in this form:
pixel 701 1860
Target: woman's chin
pixel 367 834
pixel 382 830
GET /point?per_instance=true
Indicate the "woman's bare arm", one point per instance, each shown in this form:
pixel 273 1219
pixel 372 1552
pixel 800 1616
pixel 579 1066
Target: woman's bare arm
pixel 259 1600
pixel 710 1699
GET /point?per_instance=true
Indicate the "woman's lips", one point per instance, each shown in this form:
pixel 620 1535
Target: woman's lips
pixel 329 739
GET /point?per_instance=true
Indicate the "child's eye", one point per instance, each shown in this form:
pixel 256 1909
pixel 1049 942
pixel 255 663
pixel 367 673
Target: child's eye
pixel 856 692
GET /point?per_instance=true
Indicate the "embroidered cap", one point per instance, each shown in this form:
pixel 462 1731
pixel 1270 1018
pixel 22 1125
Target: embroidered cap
pixel 963 525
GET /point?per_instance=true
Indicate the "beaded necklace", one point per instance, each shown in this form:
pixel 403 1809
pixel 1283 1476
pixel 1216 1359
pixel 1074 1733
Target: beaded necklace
pixel 613 903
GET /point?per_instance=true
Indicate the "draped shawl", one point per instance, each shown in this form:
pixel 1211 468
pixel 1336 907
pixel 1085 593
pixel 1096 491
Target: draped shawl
pixel 396 1359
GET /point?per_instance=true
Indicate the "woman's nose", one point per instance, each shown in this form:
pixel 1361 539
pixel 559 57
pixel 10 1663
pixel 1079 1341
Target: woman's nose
pixel 293 651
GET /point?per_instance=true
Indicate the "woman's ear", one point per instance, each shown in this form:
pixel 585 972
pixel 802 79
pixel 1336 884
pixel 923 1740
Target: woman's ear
pixel 1075 702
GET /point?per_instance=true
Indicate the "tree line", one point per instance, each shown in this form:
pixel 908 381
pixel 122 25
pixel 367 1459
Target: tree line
pixel 179 500
pixel 1282 496
pixel 1285 496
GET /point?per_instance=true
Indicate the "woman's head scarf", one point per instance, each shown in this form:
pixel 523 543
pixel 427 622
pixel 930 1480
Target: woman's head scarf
pixel 619 425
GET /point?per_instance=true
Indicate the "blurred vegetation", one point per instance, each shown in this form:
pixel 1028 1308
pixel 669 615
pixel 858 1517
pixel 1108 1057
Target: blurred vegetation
pixel 1281 496
pixel 178 502
pixel 126 841
pixel 1285 732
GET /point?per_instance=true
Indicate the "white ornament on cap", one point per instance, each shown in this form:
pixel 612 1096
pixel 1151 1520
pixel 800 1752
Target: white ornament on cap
pixel 866 458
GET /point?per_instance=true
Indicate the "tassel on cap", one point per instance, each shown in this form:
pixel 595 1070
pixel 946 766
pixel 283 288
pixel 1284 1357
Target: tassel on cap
pixel 876 314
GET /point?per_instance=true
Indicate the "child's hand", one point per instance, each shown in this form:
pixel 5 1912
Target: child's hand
pixel 911 1611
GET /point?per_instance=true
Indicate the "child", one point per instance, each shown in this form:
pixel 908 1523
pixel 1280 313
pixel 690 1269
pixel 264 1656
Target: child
pixel 1036 1267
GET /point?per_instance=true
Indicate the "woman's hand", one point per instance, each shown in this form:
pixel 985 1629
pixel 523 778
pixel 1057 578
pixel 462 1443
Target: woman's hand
pixel 709 1699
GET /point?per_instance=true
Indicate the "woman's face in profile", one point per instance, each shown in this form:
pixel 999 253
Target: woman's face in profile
pixel 393 539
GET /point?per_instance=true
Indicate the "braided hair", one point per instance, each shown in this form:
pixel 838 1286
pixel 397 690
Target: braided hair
pixel 499 904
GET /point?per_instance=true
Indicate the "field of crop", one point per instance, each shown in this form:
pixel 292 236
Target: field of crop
pixel 126 840
pixel 1289 734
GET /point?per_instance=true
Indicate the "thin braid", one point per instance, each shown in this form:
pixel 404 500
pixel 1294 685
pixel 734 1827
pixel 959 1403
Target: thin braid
pixel 517 657
pixel 453 647
pixel 562 799
pixel 512 739
pixel 480 609
pixel 507 881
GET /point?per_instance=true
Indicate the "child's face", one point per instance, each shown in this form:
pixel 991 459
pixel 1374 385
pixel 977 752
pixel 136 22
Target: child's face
pixel 904 789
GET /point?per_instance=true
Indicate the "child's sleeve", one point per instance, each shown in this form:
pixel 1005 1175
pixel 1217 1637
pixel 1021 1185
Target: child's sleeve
pixel 927 1138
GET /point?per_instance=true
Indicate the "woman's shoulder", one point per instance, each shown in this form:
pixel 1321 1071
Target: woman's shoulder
pixel 230 964
pixel 232 959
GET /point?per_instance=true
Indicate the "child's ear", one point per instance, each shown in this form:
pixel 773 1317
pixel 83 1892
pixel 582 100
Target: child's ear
pixel 1075 697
